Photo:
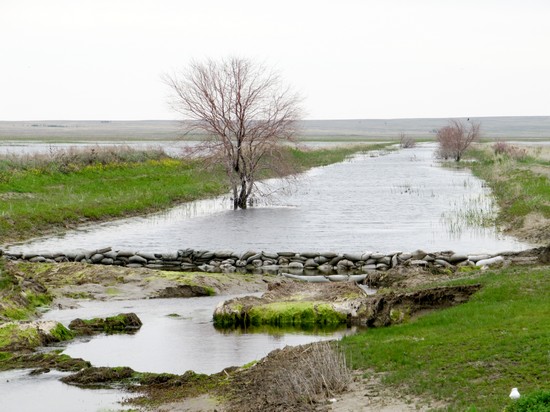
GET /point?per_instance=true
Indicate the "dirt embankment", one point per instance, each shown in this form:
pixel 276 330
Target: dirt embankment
pixel 69 282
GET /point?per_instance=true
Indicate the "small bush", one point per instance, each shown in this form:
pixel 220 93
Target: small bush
pixel 323 372
pixel 538 401
pixel 505 149
pixel 406 142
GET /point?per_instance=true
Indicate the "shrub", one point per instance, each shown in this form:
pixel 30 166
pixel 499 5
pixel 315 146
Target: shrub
pixel 322 372
pixel 538 401
pixel 505 149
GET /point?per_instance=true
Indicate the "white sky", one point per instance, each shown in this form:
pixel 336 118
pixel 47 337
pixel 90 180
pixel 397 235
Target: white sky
pixel 103 59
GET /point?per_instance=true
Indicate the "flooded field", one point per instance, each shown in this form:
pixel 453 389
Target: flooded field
pixel 402 200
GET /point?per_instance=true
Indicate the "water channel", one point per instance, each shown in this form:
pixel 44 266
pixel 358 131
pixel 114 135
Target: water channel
pixel 402 200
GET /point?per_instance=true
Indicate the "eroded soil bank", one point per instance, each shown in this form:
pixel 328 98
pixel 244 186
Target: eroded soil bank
pixel 404 294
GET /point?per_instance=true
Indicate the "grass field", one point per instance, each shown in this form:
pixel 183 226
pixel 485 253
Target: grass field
pixel 519 177
pixel 469 356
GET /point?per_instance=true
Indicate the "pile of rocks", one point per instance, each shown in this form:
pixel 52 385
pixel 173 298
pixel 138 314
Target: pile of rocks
pixel 257 262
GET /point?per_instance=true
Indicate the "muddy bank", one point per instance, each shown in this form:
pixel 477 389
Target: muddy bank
pixel 68 282
pixel 289 303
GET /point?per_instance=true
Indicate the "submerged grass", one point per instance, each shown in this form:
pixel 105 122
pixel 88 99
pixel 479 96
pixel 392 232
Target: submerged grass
pixel 40 194
pixel 469 356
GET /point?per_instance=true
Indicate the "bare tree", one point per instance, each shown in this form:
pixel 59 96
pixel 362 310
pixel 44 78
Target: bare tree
pixel 245 112
pixel 406 142
pixel 455 138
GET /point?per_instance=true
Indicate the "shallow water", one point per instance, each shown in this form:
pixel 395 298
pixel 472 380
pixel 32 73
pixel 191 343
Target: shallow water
pixel 20 392
pixel 177 335
pixel 403 201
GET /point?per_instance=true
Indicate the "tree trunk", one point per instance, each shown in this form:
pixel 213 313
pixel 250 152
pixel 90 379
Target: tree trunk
pixel 241 201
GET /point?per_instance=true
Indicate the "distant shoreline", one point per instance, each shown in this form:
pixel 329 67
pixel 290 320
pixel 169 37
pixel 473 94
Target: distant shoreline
pixel 505 127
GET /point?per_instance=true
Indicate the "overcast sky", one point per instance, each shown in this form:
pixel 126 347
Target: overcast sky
pixel 103 59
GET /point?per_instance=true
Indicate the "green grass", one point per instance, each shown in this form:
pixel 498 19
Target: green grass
pixel 295 314
pixel 41 196
pixel 469 356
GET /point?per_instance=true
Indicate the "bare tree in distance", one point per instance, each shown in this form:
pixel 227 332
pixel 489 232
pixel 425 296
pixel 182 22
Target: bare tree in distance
pixel 455 138
pixel 246 113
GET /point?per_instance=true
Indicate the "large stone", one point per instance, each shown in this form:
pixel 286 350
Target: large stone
pixel 354 257
pixel 223 254
pixel 137 259
pixel 456 258
pixel 497 260
pixel 310 263
pixel 248 254
pixel 296 265
pixel 98 257
pixel 268 255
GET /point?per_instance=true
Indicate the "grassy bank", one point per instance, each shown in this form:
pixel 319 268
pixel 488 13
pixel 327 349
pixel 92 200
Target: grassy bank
pixel 469 356
pixel 520 180
pixel 45 194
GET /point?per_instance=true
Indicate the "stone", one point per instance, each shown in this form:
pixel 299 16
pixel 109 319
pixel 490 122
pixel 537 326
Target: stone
pixel 257 263
pixel 169 256
pixel 188 266
pixel 354 257
pixel 324 268
pixel 329 255
pixel 133 265
pixel 476 258
pixel 404 256
pixel 272 256
pixel 346 263
pixel 185 252
pixel 377 255
pixel 418 262
pixel 296 265
pixel 394 261
pixel 38 259
pixel 310 263
pixel 98 257
pixel 107 261
pixel 252 258
pixel 124 253
pixel 386 260
pixel 456 258
pixel 443 262
pixel 223 254
pixel 248 254
pixel 137 259
pixel 148 256
pixel 309 255
pixel 286 254
pixel 418 254
pixel 334 261
pixel 497 260
pixel 320 260
pixel 110 255
pixel 29 256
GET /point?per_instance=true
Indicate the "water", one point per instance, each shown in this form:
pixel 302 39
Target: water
pixel 403 200
pixel 175 344
pixel 20 392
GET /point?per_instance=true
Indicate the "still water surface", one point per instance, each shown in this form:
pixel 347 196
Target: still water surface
pixel 177 335
pixel 402 200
